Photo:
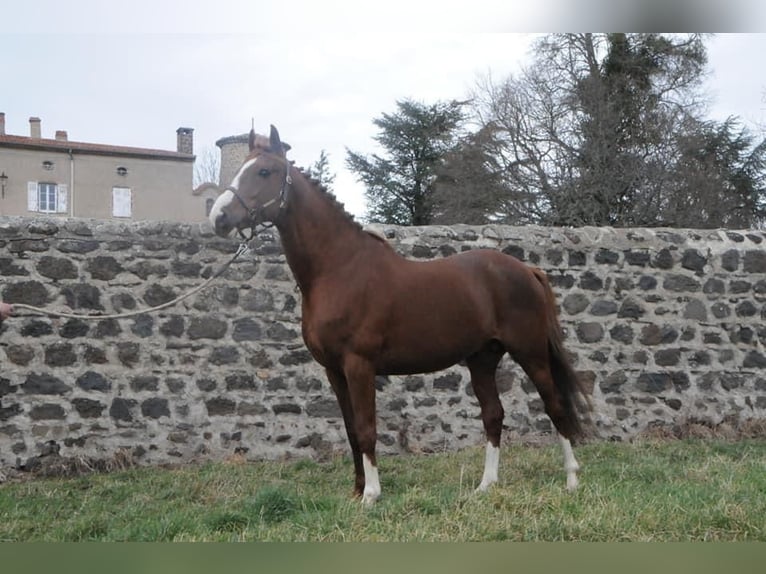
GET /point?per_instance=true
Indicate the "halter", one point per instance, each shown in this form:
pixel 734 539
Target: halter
pixel 253 213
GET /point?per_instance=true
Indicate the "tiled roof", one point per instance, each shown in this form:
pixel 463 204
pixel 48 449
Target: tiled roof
pixel 96 149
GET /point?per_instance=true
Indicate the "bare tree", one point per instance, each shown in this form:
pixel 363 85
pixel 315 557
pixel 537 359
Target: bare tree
pixel 207 167
pixel 600 130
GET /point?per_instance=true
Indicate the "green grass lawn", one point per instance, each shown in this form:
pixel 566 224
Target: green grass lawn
pixel 648 491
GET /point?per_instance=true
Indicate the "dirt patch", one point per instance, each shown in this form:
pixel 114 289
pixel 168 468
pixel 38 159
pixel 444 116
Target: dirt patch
pixel 730 429
pixel 51 464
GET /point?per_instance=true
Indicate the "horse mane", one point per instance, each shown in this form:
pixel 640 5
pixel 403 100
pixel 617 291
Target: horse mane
pixel 337 205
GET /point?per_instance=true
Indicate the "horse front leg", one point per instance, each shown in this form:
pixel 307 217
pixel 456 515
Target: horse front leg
pixel 340 387
pixel 482 366
pixel 360 375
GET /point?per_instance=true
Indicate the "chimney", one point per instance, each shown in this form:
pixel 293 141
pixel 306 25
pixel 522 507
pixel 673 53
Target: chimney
pixel 2 123
pixel 34 128
pixel 61 135
pixel 185 140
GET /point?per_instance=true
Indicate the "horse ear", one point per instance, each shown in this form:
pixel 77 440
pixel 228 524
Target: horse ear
pixel 251 139
pixel 275 143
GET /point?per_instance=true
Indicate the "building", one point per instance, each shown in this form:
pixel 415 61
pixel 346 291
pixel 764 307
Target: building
pixel 67 178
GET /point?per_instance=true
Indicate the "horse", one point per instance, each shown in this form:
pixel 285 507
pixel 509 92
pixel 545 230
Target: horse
pixel 368 311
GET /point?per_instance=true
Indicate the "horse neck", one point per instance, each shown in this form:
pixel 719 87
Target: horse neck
pixel 317 235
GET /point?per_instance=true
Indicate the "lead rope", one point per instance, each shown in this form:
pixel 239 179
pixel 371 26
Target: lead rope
pixel 243 248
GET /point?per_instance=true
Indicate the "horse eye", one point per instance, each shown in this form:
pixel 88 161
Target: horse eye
pixel 264 172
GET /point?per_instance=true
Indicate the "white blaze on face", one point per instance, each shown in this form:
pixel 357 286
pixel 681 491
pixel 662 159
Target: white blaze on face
pixel 223 200
pixel 227 196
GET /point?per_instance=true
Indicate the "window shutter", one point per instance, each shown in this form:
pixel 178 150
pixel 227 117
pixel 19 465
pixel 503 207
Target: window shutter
pixel 31 196
pixel 62 199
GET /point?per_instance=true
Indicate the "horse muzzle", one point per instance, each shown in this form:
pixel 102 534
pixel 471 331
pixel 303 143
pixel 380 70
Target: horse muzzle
pixel 221 225
pixel 219 217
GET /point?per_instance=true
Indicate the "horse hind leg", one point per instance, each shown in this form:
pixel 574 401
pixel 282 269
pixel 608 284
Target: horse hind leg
pixel 542 377
pixel 482 367
pixel 571 466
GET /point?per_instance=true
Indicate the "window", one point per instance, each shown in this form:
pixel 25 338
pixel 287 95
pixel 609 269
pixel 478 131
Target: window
pixel 122 202
pixel 47 197
pixel 209 205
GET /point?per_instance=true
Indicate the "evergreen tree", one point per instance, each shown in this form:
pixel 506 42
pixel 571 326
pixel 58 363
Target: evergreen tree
pixel 416 139
pixel 320 171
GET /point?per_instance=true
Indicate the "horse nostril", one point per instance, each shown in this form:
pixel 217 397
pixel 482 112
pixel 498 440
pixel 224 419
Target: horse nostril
pixel 221 225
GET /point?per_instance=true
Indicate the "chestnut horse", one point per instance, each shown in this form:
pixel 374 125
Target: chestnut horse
pixel 368 311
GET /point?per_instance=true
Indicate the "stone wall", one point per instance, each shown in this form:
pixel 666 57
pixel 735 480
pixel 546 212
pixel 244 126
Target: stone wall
pixel 666 325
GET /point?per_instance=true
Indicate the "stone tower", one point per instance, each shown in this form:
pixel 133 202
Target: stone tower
pixel 234 150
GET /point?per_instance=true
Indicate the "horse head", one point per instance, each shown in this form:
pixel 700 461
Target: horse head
pixel 257 194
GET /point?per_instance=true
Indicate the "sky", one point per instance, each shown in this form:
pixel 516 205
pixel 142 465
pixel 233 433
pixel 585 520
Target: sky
pixel 320 71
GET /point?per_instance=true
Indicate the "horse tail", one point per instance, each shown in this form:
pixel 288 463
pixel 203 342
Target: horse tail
pixel 574 399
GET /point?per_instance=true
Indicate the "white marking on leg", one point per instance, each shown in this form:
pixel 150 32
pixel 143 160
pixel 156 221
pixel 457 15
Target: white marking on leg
pixel 570 463
pixel 371 482
pixel 491 464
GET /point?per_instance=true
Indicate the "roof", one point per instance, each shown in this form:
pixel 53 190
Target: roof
pixel 23 142
pixel 242 138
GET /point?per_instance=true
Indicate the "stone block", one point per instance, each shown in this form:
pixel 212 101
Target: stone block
pixel 155 295
pixel 60 355
pixel 47 411
pixel 88 408
pixel 589 332
pixel 207 327
pixel 155 407
pixel 44 384
pixel 220 406
pixel 241 382
pixel 74 328
pixel 20 354
pixel 93 381
pixel 83 296
pixel 104 267
pixel 754 262
pixel 27 292
pixel 323 407
pixel 122 409
pixel 56 268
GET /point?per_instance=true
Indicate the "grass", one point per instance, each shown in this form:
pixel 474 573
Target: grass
pixel 687 490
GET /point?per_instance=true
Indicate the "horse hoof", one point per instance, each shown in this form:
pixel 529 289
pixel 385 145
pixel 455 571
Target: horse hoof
pixel 484 487
pixel 368 499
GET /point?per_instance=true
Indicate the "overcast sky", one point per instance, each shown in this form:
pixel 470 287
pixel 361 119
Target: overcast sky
pixel 321 71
